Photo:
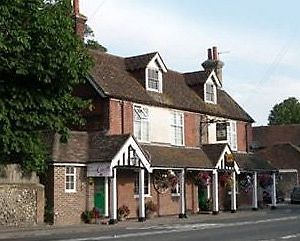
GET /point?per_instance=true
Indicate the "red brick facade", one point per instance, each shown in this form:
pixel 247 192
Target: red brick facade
pixel 68 207
pixel 244 136
pixel 120 117
pixel 191 129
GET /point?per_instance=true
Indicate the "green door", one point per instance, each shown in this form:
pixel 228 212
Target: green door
pixel 99 196
pixel 202 198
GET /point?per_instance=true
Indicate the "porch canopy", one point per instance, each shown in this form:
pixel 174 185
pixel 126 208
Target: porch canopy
pixel 108 152
pixel 221 157
pixel 253 164
pixel 176 157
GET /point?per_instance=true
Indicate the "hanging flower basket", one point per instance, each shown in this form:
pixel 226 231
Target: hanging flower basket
pixel 202 179
pixel 164 180
pixel 225 179
pixel 265 180
pixel 245 182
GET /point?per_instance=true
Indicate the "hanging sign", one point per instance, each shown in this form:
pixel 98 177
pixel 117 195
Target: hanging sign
pixel 102 169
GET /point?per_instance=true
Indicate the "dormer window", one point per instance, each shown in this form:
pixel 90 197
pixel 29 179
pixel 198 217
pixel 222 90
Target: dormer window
pixel 153 80
pixel 154 74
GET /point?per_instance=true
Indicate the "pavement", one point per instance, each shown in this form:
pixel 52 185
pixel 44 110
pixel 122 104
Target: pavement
pixel 48 230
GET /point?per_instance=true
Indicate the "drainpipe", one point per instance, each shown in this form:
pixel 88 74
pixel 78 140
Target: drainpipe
pixel 247 144
pixel 122 116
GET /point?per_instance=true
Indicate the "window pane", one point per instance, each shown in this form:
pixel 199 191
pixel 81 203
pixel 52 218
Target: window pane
pixel 209 92
pixel 153 80
pixel 221 131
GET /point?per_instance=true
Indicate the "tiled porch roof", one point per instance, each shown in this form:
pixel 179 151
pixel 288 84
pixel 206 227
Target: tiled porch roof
pixel 251 161
pixel 165 156
pixel 214 151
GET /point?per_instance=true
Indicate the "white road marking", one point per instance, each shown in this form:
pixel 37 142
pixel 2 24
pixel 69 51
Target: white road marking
pixel 291 236
pixel 165 229
pixel 296 235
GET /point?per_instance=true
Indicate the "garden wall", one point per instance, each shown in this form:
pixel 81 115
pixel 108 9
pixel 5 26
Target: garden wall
pixel 21 197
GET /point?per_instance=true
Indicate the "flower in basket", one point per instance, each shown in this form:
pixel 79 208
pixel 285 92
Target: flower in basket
pixel 123 212
pixel 245 183
pixel 172 179
pixel 95 213
pixel 265 180
pixel 164 180
pixel 203 179
pixel 226 180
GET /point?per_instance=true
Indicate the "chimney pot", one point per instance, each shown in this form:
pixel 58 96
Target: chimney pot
pixel 76 7
pixel 209 54
pixel 215 53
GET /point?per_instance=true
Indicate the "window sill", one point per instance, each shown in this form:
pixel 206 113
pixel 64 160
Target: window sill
pixel 175 194
pixel 70 191
pixel 154 90
pixel 146 195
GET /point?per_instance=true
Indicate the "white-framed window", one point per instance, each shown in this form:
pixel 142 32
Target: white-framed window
pixel 175 191
pixel 70 179
pixel 153 79
pixel 177 126
pixel 210 92
pixel 232 135
pixel 221 131
pixel 146 184
pixel 141 123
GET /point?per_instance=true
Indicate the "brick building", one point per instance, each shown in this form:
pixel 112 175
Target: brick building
pixel 154 134
pixel 280 145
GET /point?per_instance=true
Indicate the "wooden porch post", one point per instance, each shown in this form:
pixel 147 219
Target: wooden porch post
pixel 113 198
pixel 142 217
pixel 254 192
pixel 182 213
pixel 233 193
pixel 215 192
pixel 106 190
pixel 273 191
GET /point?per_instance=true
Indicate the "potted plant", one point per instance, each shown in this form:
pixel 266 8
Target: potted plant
pixel 91 216
pixel 150 209
pixel 123 212
pixel 86 216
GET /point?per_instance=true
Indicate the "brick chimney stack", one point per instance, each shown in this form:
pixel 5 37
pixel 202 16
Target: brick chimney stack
pixel 79 19
pixel 213 62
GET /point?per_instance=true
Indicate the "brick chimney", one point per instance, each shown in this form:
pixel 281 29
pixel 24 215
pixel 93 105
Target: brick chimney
pixel 80 20
pixel 213 62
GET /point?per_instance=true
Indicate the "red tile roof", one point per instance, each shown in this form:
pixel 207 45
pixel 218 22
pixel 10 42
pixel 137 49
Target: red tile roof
pixel 111 76
pixel 282 156
pixel 264 136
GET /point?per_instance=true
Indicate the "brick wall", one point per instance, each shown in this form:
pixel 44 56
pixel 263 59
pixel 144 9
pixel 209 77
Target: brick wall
pixel 191 190
pixel 68 207
pixel 120 121
pixel 244 135
pixel 125 180
pixel 191 129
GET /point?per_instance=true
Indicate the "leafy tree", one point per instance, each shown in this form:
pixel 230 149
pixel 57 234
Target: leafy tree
pixel 41 61
pixel 90 42
pixel 286 112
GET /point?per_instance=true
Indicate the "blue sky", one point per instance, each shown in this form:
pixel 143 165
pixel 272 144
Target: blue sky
pixel 260 41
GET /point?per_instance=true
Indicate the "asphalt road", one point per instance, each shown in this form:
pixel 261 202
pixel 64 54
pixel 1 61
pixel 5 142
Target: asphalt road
pixel 278 225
